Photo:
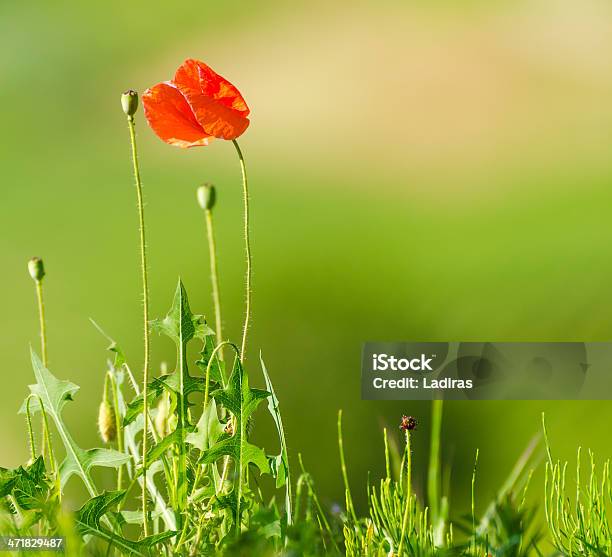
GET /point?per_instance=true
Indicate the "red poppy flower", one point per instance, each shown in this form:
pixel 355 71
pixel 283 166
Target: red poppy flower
pixel 197 105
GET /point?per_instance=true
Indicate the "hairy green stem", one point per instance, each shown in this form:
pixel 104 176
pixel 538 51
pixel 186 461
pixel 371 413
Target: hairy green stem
pixel 41 317
pixel 30 429
pixel 145 292
pixel 474 499
pixel 214 277
pixel 247 243
pixel 113 386
pixel 408 497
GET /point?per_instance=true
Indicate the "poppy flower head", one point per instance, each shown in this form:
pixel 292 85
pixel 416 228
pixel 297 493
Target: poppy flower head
pixel 197 105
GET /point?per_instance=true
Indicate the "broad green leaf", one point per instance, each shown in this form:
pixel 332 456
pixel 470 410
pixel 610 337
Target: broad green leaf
pixel 244 452
pixel 92 511
pixel 280 463
pixel 89 517
pixel 208 430
pixel 241 401
pixel 31 488
pixel 54 394
pixel 238 397
pixel 180 324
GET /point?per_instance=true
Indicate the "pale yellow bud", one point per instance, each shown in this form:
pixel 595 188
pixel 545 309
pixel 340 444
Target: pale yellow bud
pixel 106 422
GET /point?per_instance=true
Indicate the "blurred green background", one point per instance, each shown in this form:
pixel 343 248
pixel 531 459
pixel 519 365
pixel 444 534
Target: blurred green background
pixel 419 170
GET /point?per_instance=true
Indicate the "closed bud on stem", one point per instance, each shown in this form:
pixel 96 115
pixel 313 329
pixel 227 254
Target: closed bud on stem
pixel 129 102
pixel 162 425
pixel 207 196
pixel 408 423
pixel 106 422
pixel 36 268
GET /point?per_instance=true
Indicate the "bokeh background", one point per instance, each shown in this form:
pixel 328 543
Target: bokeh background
pixel 419 170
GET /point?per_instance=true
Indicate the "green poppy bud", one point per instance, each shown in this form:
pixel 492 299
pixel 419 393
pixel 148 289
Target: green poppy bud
pixel 207 196
pixel 106 422
pixel 36 268
pixel 129 102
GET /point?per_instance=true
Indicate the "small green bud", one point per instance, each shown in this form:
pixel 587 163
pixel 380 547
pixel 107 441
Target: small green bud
pixel 129 102
pixel 106 422
pixel 207 195
pixel 36 268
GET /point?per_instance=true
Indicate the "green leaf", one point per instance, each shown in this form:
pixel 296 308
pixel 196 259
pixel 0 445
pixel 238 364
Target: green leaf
pixel 243 452
pixel 54 394
pixel 217 368
pixel 88 520
pixel 208 430
pixel 7 481
pixel 165 443
pixel 280 463
pixel 180 324
pixel 31 488
pixel 238 397
pixel 241 401
pixel 92 511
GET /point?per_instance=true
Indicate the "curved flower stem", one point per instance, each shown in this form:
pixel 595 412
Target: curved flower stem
pixel 214 276
pixel 41 317
pixel 145 292
pixel 247 243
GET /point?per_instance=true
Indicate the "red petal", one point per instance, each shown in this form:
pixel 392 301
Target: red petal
pixel 171 118
pixel 218 106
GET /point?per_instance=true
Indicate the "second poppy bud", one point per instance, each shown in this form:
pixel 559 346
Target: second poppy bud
pixel 207 195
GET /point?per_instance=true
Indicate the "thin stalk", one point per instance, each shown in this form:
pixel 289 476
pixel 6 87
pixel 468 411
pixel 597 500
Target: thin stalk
pixel 408 493
pixel 145 292
pixel 30 429
pixel 118 426
pixel 349 499
pixel 214 276
pixel 433 476
pixel 474 499
pixel 47 439
pixel 247 243
pixel 318 506
pixel 41 318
